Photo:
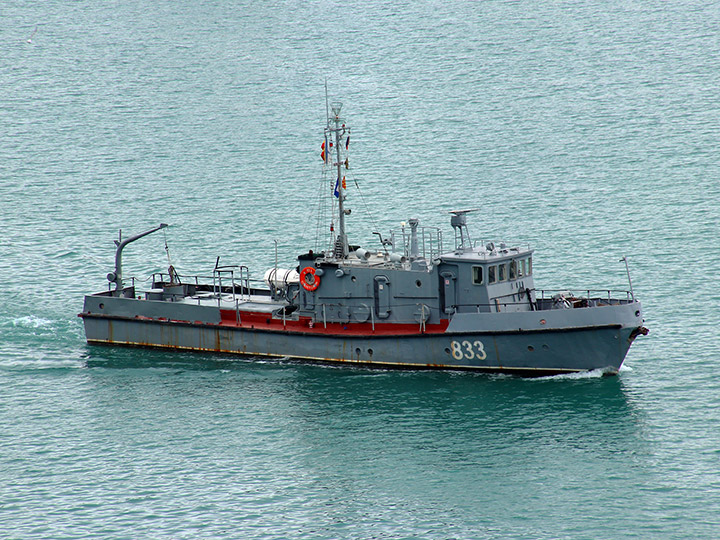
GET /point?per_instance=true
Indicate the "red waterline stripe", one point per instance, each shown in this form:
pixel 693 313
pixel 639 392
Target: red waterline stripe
pixel 263 321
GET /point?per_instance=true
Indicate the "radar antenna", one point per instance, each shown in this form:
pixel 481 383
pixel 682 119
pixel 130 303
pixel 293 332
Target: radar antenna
pixel 459 225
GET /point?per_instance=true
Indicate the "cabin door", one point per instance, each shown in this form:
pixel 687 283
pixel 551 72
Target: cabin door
pixel 448 291
pixel 382 297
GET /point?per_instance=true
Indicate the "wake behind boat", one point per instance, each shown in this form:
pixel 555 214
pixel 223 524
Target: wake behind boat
pixel 409 303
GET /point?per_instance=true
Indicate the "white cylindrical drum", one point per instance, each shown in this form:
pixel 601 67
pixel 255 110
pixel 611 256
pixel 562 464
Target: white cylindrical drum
pixel 280 277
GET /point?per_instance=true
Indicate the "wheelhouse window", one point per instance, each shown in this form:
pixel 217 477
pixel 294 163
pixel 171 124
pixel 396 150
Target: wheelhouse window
pixel 477 275
pixel 529 266
pixel 513 269
pixel 492 274
pixel 502 272
pixel 521 268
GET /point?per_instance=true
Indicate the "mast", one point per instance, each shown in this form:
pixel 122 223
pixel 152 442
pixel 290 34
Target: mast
pixel 340 250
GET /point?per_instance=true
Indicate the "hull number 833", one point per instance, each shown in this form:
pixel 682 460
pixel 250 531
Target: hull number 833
pixel 468 350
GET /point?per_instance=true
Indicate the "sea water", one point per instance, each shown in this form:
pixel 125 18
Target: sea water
pixel 587 130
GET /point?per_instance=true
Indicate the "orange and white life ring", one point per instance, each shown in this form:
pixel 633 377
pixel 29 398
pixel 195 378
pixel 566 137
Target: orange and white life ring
pixel 308 279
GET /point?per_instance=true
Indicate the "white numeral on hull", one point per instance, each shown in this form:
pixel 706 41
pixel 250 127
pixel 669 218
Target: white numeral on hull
pixel 466 350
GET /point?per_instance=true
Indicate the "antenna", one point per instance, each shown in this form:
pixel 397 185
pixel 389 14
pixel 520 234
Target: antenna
pixel 627 269
pixel 167 249
pixel 29 40
pixel 337 128
pixel 327 108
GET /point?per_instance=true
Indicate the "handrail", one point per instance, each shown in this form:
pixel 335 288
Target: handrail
pixel 197 277
pixel 609 292
pixel 544 300
pixel 430 241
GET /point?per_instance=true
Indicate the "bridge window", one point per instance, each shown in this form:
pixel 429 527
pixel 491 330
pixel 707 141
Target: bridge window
pixel 529 266
pixel 477 275
pixel 513 269
pixel 502 272
pixel 492 274
pixel 521 268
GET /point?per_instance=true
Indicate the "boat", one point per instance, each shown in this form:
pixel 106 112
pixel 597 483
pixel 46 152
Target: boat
pixel 408 303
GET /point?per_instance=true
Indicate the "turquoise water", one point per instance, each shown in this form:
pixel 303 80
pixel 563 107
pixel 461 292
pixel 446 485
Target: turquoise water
pixel 586 129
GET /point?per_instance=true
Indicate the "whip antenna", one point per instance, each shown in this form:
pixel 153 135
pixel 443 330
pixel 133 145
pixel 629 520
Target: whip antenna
pixel 174 277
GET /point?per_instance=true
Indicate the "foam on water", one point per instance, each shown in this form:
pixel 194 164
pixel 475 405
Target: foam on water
pixel 592 374
pixel 29 321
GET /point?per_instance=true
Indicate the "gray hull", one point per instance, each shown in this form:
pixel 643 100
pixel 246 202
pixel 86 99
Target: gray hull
pixel 524 343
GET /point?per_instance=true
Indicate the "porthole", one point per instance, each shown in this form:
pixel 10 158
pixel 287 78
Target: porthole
pixel 101 306
pixel 357 351
pixel 418 283
pixel 370 352
pixel 447 350
pixel 531 348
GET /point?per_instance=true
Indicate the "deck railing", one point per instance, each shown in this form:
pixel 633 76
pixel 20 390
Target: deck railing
pixel 545 299
pixel 235 280
pixel 430 242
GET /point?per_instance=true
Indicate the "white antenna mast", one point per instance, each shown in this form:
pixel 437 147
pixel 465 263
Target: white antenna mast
pixel 327 108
